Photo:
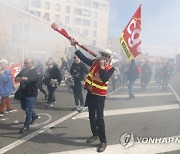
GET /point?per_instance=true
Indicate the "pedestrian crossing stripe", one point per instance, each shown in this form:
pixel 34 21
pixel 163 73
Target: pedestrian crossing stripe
pixel 137 148
pixel 142 95
pixel 131 111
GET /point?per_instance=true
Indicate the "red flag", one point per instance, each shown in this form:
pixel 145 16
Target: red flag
pixel 130 39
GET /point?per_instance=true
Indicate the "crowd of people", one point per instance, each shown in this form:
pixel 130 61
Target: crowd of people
pixel 36 76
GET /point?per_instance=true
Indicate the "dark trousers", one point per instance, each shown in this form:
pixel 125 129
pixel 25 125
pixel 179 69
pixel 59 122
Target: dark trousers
pixel 95 105
pixel 144 82
pixel 51 94
pixel 27 105
pixel 78 96
pixel 130 88
pixel 40 87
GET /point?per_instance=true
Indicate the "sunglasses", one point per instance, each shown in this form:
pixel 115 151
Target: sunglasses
pixel 105 55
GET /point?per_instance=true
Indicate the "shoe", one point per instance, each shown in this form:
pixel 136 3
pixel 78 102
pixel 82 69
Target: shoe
pixel 81 108
pixel 54 102
pixel 76 108
pixel 11 110
pixel 50 105
pixel 33 119
pixel 1 114
pixel 92 139
pixel 24 129
pixel 102 147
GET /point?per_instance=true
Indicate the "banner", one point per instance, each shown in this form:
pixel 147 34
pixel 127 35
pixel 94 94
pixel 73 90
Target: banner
pixel 130 39
pixel 15 69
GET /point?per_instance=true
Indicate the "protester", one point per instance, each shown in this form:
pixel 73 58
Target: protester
pixel 166 75
pixel 28 79
pixel 132 75
pixel 63 67
pixel 40 69
pixel 146 73
pixel 6 87
pixel 96 85
pixel 78 71
pixel 52 79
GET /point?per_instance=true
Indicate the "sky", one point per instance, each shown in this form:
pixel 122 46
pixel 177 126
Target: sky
pixel 160 24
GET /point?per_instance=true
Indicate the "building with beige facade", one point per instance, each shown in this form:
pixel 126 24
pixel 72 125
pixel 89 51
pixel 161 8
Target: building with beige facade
pixel 88 18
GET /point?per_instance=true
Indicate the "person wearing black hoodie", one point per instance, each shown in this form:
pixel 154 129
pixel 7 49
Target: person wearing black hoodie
pixel 52 79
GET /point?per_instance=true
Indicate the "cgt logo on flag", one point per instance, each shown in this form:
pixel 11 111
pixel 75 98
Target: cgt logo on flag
pixel 130 39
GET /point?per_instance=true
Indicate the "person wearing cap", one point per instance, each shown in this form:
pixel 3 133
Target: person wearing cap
pixel 96 85
pixel 6 86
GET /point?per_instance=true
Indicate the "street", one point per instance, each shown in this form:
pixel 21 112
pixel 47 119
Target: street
pixel 153 113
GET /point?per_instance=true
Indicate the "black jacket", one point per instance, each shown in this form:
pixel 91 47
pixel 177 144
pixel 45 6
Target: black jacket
pixel 29 87
pixel 52 73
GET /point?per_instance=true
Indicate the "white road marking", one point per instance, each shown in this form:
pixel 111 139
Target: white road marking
pixel 131 110
pixel 111 93
pixel 28 137
pixel 175 93
pixel 4 119
pixel 136 149
pixel 138 87
pixel 141 95
pixel 45 122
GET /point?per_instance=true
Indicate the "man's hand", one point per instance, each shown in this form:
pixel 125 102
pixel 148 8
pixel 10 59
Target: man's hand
pixel 83 83
pixel 73 43
pixel 102 64
pixel 19 79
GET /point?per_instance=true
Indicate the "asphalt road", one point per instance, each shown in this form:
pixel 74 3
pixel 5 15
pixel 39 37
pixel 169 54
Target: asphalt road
pixel 153 114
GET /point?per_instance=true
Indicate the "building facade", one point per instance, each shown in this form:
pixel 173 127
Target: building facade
pixel 86 18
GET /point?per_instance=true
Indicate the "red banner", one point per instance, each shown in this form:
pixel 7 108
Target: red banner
pixel 130 39
pixel 15 69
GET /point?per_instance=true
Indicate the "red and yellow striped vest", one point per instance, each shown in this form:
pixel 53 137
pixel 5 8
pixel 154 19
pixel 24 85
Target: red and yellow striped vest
pixel 93 81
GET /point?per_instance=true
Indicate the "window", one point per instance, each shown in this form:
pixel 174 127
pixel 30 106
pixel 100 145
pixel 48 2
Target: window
pixel 77 21
pixel 78 11
pixel 86 12
pixel 35 13
pixel 47 5
pixel 76 30
pixel 46 17
pixel 95 5
pixel 94 42
pixel 67 20
pixel 95 14
pixel 57 18
pixel 95 24
pixel 86 22
pixel 67 9
pixel 78 1
pixel 21 32
pixel 85 32
pixel 35 3
pixel 103 6
pixel 87 3
pixel 94 33
pixel 57 7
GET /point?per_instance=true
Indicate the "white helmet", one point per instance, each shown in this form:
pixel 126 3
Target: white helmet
pixel 106 51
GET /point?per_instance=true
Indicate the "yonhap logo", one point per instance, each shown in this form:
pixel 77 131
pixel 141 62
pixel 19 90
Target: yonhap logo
pixel 127 139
